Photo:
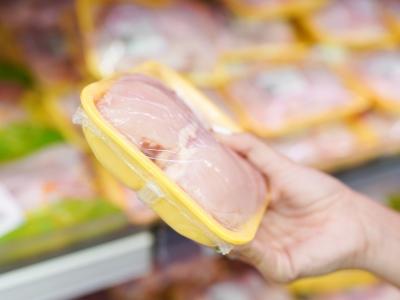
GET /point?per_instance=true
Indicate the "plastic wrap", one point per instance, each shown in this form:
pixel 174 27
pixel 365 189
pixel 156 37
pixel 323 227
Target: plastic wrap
pixel 185 35
pixel 356 23
pixel 178 168
pixel 328 147
pixel 378 74
pixel 275 99
pixel 46 35
pixel 267 9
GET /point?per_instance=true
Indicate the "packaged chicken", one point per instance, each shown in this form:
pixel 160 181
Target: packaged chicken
pixel 268 9
pixel 386 129
pixel 356 23
pixel 378 74
pixel 328 147
pixel 46 35
pixel 153 131
pixel 274 99
pixel 256 39
pixel 51 192
pixel 185 35
pixel 20 131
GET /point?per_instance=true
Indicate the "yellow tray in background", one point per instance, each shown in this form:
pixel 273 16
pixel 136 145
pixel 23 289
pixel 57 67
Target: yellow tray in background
pixel 359 104
pixel 321 36
pixel 128 164
pixel 86 19
pixel 266 12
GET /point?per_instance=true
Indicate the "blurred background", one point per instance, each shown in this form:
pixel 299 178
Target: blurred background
pixel 318 80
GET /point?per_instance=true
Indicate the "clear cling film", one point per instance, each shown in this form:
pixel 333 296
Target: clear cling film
pixel 176 165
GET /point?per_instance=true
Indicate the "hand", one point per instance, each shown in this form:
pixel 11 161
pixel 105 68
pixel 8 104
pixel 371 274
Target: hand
pixel 313 225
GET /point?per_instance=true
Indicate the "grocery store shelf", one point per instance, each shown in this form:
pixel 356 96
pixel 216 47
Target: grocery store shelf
pixel 80 272
pixel 377 179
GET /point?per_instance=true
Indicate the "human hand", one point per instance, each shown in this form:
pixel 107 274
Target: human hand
pixel 313 225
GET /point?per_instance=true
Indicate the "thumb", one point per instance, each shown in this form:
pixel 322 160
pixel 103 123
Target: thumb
pixel 257 152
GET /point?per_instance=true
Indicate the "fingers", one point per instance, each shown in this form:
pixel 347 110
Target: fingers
pixel 256 151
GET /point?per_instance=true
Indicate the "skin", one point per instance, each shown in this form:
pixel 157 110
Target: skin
pixel 315 224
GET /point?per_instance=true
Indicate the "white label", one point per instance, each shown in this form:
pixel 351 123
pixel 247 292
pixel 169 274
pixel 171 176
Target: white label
pixel 11 216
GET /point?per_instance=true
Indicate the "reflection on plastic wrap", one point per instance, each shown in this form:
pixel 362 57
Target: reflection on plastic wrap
pixel 358 23
pixel 379 74
pixel 155 120
pixel 274 100
pixel 183 35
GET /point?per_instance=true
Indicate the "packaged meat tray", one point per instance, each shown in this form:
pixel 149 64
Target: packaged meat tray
pixel 46 36
pixel 21 131
pixel 256 39
pixel 119 35
pixel 47 199
pixel 356 23
pixel 378 75
pixel 274 99
pixel 270 9
pixel 153 131
pixel 330 146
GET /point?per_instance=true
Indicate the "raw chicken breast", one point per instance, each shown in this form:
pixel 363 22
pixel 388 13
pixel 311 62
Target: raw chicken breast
pixel 275 96
pixel 183 35
pixel 356 19
pixel 55 173
pixel 159 123
pixel 380 72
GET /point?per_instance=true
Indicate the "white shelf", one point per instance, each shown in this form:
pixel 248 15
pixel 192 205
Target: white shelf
pixel 80 272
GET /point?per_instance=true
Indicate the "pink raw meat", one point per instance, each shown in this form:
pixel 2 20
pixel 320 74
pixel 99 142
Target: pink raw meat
pixel 55 173
pixel 275 96
pixel 184 36
pixel 159 123
pixel 358 19
pixel 380 72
